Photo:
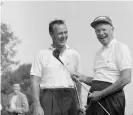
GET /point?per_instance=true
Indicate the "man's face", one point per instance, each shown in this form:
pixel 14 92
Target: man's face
pixel 59 35
pixel 104 33
pixel 16 88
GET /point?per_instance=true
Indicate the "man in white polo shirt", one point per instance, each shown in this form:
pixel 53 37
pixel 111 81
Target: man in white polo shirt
pixel 53 89
pixel 112 71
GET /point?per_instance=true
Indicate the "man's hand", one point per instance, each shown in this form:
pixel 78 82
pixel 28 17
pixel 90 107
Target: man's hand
pixel 95 96
pixel 74 78
pixel 78 76
pixel 81 112
pixel 8 109
pixel 38 110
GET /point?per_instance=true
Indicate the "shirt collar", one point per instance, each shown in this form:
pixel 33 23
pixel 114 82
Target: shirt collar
pixel 53 48
pixel 110 44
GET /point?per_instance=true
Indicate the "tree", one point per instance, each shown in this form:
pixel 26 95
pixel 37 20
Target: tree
pixel 22 76
pixel 8 51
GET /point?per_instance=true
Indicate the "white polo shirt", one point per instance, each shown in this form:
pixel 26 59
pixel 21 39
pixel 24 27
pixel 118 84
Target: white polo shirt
pixel 110 60
pixel 52 72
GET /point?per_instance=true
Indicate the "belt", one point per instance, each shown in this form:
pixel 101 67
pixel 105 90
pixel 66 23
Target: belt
pixel 58 89
pixel 14 113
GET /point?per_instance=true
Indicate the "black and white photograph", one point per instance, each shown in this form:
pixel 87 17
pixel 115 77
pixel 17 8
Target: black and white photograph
pixel 66 57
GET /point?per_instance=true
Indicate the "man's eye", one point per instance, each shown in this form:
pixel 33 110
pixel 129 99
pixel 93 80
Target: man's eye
pixel 97 31
pixel 65 32
pixel 59 33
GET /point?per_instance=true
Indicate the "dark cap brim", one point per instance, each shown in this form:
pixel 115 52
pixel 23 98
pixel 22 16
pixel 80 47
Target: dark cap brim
pixel 93 24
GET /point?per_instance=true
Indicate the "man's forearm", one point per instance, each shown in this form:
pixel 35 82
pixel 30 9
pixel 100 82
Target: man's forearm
pixel 35 89
pixel 113 88
pixel 87 80
pixel 119 84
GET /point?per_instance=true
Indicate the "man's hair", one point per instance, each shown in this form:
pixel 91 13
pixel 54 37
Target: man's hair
pixel 52 23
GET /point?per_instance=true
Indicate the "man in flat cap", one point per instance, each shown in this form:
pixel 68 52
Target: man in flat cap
pixel 112 71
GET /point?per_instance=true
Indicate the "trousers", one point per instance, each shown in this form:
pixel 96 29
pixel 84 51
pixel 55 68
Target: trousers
pixel 113 103
pixel 59 101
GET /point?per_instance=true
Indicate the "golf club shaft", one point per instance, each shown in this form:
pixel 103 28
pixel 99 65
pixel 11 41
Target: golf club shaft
pixel 83 86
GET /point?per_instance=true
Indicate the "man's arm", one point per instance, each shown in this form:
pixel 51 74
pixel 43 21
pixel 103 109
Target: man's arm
pixel 83 78
pixel 38 110
pixel 35 89
pixel 88 80
pixel 124 79
pixel 123 61
pixel 36 74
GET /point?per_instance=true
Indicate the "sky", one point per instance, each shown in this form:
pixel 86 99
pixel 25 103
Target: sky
pixel 29 20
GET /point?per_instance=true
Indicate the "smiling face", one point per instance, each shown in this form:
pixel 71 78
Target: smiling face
pixel 104 33
pixel 59 35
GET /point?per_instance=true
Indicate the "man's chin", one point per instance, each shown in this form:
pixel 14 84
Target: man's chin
pixel 16 92
pixel 62 45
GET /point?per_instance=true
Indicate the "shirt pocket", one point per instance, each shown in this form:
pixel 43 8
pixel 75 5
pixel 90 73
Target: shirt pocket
pixel 111 64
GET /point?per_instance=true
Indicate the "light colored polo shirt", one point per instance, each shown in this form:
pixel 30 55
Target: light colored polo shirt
pixel 110 60
pixel 52 72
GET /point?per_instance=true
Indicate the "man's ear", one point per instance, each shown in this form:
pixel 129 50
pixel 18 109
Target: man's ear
pixel 51 34
pixel 112 28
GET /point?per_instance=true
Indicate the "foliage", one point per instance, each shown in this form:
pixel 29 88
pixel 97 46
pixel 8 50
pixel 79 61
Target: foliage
pixel 8 51
pixel 8 76
pixel 20 75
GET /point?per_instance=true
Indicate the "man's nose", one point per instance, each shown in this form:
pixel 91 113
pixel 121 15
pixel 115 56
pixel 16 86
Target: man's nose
pixel 64 35
pixel 101 32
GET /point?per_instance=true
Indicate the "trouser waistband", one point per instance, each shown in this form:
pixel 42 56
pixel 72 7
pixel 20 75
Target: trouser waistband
pixel 58 89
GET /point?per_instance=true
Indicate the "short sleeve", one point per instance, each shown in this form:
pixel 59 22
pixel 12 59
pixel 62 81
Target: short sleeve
pixel 123 57
pixel 36 68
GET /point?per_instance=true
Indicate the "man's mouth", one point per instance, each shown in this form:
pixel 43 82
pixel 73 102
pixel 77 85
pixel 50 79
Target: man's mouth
pixel 102 37
pixel 62 40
